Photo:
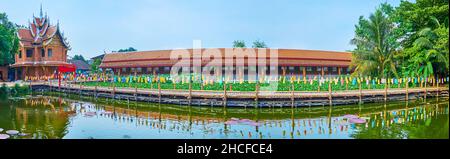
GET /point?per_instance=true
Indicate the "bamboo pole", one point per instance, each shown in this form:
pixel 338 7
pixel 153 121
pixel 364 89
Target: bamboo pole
pixel 114 87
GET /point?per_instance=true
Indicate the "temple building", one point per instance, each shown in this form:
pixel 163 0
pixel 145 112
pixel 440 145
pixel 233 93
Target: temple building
pixel 289 62
pixel 43 48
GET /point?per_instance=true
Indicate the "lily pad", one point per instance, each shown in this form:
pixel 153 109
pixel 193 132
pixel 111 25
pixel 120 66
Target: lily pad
pixel 4 136
pixel 12 132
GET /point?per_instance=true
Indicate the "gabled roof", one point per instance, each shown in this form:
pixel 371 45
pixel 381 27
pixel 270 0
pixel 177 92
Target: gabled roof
pixel 40 32
pixel 81 65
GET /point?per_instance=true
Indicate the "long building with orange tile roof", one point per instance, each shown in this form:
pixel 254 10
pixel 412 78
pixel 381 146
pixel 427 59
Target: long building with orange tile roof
pixel 287 61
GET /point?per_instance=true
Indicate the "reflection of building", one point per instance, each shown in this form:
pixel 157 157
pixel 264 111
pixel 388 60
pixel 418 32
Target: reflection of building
pixel 42 49
pixel 295 62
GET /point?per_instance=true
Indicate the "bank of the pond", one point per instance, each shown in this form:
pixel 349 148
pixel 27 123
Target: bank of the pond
pixel 13 91
pixel 245 99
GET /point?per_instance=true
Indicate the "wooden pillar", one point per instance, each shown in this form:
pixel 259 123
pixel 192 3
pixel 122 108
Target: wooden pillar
pixel 159 90
pixel 304 72
pixel 437 86
pixel 425 85
pixel 135 85
pixel 329 93
pixel 339 71
pixel 292 95
pixel 224 95
pixel 385 90
pixel 360 93
pixel 190 91
pixel 407 93
pixel 323 72
pixel 114 86
pixel 256 94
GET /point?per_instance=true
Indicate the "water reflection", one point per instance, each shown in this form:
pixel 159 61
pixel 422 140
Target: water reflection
pixel 54 117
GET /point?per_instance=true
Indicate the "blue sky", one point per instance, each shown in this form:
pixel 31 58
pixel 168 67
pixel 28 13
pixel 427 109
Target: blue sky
pixel 95 26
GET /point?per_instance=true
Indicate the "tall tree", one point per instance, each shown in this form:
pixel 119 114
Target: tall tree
pixel 9 42
pixel 79 57
pixel 130 49
pixel 239 44
pixel 259 44
pixel 376 44
pixel 95 66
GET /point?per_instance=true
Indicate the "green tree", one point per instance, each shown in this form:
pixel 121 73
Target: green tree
pixel 259 44
pixel 130 49
pixel 376 44
pixel 79 57
pixel 239 44
pixel 429 52
pixel 95 66
pixel 9 42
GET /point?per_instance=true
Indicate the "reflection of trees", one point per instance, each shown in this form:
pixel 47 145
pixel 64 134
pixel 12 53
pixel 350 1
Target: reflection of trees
pixel 41 117
pixel 436 125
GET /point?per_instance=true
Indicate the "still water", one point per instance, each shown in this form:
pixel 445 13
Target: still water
pixel 52 117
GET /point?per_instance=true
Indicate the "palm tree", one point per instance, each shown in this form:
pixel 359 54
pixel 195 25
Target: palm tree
pixel 429 53
pixel 376 46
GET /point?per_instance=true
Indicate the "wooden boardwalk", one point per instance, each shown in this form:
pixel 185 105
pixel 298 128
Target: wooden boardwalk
pixel 251 95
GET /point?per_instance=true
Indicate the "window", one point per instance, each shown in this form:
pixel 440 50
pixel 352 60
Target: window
pixel 29 52
pixel 20 54
pixel 309 69
pixel 124 69
pixel 42 53
pixel 291 68
pixel 334 69
pixel 325 69
pixel 319 68
pixel 139 69
pixel 49 53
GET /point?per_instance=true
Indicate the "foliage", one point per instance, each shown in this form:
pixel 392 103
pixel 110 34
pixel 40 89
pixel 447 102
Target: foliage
pixel 411 38
pixel 95 66
pixel 9 42
pixel 130 49
pixel 79 57
pixel 375 45
pixel 239 44
pixel 259 44
pixel 14 91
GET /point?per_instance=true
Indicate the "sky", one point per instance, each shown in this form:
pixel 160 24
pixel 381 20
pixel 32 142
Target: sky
pixel 93 27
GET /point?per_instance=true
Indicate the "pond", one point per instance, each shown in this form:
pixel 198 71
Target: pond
pixel 74 117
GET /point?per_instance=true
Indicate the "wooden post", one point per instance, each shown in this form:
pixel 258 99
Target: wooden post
pixel 190 91
pixel 292 95
pixel 114 86
pixel 329 93
pixel 437 86
pixel 135 85
pixel 407 93
pixel 385 90
pixel 224 95
pixel 256 94
pixel 360 93
pixel 425 95
pixel 159 90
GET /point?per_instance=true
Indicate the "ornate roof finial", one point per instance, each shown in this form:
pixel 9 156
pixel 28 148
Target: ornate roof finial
pixel 41 14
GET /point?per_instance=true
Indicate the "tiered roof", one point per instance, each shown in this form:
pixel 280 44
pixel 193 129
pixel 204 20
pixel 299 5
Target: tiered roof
pixel 40 32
